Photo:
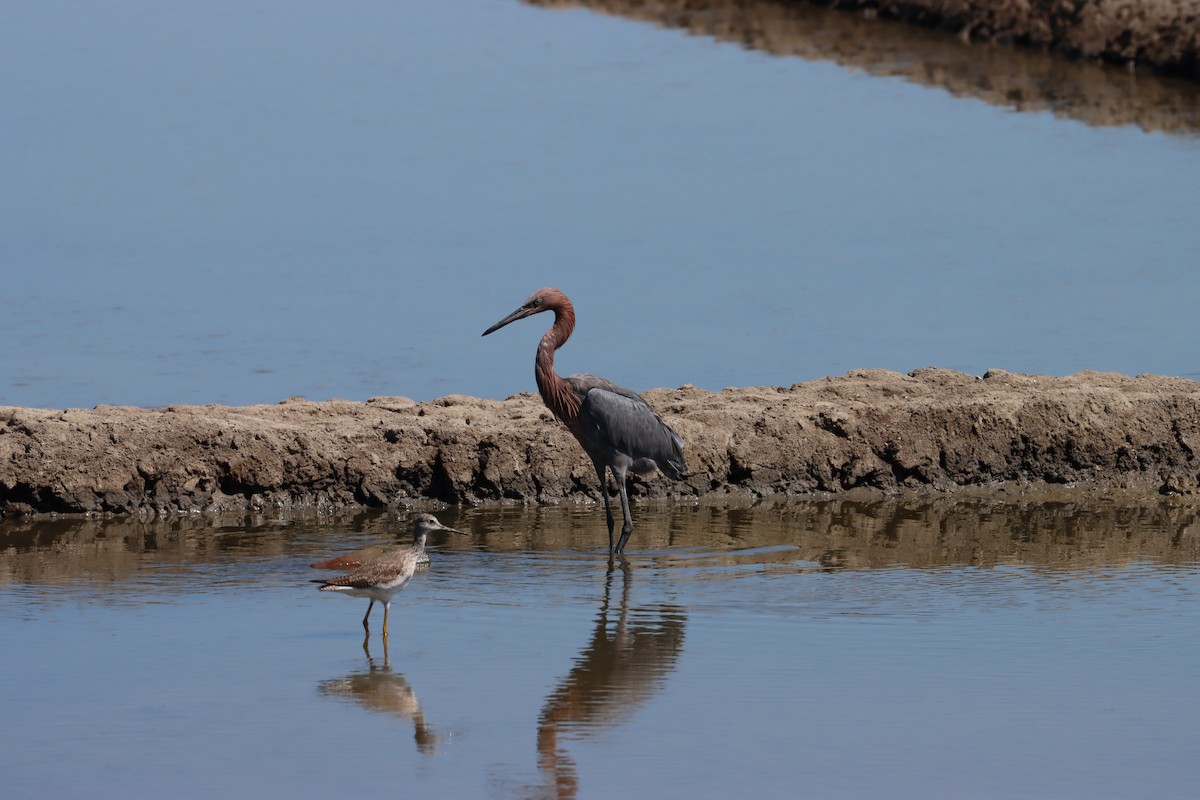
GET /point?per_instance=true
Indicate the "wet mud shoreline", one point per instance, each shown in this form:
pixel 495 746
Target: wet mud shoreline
pixel 1160 35
pixel 1157 34
pixel 870 432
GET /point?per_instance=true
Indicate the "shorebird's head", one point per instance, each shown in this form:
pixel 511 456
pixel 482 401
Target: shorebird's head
pixel 426 524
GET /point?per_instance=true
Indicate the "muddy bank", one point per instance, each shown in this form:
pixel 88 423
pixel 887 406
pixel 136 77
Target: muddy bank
pixel 1160 34
pixel 1163 34
pixel 1020 78
pixel 869 431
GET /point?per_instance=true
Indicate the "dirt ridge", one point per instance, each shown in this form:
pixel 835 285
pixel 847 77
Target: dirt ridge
pixel 1163 35
pixel 871 431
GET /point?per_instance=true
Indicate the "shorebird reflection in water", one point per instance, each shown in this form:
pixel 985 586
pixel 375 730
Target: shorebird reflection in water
pixel 615 426
pixel 385 692
pixel 626 661
pixel 382 578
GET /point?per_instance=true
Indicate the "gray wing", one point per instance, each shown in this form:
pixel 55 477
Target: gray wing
pixel 617 421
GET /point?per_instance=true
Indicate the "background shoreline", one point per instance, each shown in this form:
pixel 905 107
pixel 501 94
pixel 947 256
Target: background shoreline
pixel 1163 35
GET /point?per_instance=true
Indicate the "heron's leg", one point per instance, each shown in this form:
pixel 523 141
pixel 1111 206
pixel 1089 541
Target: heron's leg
pixel 367 616
pixel 604 493
pixel 387 605
pixel 626 528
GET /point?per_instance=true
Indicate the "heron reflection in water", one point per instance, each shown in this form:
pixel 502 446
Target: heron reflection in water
pixel 623 665
pixel 380 690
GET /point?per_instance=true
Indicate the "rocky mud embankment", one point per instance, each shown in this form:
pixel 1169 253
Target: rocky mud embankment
pixel 870 431
pixel 1163 35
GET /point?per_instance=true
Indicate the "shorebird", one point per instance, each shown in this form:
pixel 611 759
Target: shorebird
pixel 382 578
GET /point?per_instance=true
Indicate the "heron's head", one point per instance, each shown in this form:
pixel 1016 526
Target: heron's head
pixel 544 299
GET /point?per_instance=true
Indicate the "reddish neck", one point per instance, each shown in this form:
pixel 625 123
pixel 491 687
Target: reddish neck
pixel 556 393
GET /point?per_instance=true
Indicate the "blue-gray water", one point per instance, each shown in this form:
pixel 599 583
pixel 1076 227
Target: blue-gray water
pixel 239 202
pixel 242 202
pixel 829 649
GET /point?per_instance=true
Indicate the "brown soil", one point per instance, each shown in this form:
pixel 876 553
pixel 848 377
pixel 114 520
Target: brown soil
pixel 1164 34
pixel 1160 34
pixel 869 432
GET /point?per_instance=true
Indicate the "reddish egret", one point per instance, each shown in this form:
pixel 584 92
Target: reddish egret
pixel 616 427
pixel 382 578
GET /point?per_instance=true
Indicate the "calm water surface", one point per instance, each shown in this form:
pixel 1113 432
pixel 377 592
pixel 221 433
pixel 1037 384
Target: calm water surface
pixel 240 202
pixel 826 649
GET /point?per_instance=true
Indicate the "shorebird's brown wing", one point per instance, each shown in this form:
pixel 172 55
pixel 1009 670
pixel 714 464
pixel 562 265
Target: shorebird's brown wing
pixel 352 581
pixel 350 562
pixel 359 579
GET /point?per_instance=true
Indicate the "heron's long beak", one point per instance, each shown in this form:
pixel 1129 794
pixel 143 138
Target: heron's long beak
pixel 520 313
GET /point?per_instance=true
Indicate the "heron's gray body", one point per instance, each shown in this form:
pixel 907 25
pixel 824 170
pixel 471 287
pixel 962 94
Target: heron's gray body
pixel 621 431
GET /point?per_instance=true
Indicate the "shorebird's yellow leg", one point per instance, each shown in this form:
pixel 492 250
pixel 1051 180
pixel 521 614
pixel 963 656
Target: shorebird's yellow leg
pixel 366 616
pixel 386 606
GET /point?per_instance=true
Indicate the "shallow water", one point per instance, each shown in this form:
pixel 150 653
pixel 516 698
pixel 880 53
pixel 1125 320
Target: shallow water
pixel 243 202
pixel 960 648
